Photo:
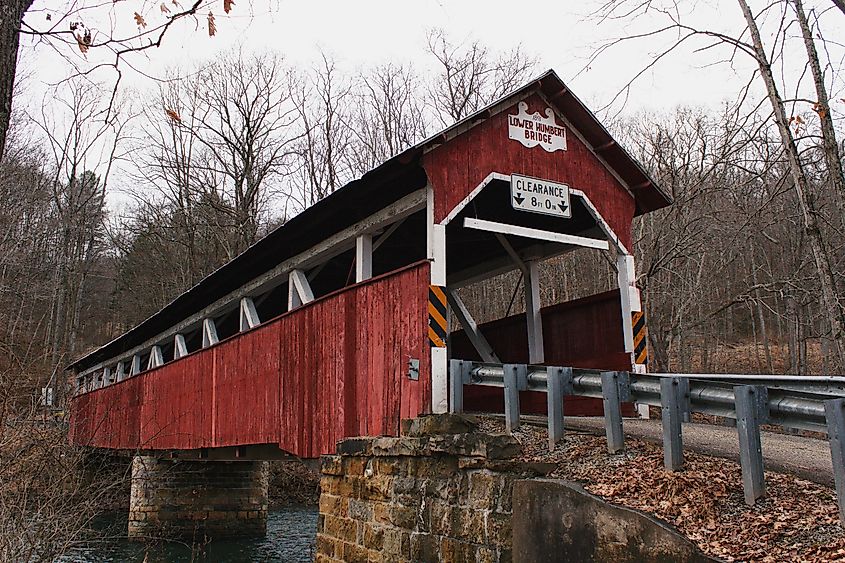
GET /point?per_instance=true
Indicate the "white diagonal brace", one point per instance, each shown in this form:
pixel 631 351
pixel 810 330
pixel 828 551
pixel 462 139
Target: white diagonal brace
pixel 156 357
pixel 180 348
pixel 209 333
pixel 299 290
pixel 249 315
pixel 477 339
pixel 135 366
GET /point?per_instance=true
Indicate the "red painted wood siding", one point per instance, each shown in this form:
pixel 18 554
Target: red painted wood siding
pixel 334 368
pixel 459 166
pixel 585 333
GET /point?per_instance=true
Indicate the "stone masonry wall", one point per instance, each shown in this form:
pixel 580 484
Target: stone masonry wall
pixel 195 499
pixel 437 493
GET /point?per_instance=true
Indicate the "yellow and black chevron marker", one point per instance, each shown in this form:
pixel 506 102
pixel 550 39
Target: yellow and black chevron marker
pixel 437 330
pixel 640 338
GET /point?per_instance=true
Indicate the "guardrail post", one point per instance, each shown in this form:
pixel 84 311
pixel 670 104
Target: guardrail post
pixel 612 411
pixel 514 374
pixel 683 397
pixel 458 375
pixel 749 400
pixel 558 384
pixel 834 410
pixel 672 414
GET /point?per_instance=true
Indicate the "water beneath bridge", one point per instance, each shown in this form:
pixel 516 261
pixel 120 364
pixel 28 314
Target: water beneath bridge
pixel 290 538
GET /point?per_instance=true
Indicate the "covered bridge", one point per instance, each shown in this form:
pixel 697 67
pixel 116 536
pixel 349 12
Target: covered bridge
pixel 337 323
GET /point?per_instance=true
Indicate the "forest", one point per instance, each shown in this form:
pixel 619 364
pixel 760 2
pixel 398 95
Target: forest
pixel 113 202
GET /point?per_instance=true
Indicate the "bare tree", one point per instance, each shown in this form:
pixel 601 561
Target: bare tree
pixel 324 101
pixel 470 76
pixel 250 128
pixel 389 116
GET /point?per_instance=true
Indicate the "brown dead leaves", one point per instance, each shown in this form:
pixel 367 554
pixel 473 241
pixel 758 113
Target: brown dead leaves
pixel 212 26
pixel 172 115
pixel 796 521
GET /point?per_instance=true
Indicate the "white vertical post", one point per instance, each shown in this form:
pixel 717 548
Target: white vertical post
pixel 209 333
pixel 107 380
pixel 180 348
pixel 120 371
pixel 248 315
pixel 630 299
pixel 363 257
pixel 536 354
pixel 436 253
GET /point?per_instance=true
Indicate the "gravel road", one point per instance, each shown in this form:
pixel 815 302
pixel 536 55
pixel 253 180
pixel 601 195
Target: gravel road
pixel 808 458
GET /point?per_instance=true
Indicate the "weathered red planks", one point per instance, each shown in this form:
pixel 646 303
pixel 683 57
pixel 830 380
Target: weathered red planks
pixel 174 409
pixel 584 333
pixel 246 388
pixel 355 371
pixel 457 167
pixel 334 368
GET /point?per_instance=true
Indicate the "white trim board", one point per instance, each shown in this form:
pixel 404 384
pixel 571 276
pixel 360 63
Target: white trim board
pixel 549 236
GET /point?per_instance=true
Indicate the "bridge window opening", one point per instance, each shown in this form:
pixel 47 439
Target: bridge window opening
pixel 167 351
pixel 193 340
pixel 273 303
pixel 228 324
pixel 145 361
pixel 500 260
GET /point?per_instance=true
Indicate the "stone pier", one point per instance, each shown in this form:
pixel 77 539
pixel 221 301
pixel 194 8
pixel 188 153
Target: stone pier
pixel 197 499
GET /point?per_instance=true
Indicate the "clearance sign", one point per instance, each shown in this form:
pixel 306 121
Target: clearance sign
pixel 534 130
pixel 540 196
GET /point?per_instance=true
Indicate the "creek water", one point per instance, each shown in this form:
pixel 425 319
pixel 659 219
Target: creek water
pixel 291 533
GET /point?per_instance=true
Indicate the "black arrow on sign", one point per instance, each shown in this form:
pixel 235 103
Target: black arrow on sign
pixel 563 206
pixel 519 199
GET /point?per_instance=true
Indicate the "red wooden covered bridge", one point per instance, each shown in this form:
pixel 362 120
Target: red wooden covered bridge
pixel 337 323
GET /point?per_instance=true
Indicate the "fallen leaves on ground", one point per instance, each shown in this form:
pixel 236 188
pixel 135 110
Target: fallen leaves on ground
pixel 796 520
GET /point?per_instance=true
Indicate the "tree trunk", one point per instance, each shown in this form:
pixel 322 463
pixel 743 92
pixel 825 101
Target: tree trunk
pixel 831 147
pixel 833 310
pixel 11 13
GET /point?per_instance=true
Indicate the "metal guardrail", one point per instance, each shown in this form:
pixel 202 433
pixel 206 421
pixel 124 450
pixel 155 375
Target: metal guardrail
pixel 808 403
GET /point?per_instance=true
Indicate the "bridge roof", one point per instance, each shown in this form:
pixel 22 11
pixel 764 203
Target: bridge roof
pixel 360 198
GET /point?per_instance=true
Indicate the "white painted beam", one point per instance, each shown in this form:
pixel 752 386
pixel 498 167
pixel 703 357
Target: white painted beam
pixel 107 379
pixel 549 236
pixel 180 347
pixel 249 315
pixel 120 371
pixel 209 333
pixel 363 257
pixel 536 353
pixel 299 290
pixel 475 336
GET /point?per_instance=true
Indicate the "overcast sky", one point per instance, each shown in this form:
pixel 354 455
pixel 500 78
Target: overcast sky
pixel 561 35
